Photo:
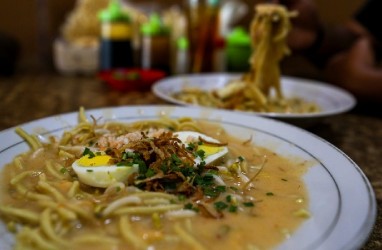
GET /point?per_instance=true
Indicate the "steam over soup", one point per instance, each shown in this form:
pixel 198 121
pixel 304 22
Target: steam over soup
pixel 161 184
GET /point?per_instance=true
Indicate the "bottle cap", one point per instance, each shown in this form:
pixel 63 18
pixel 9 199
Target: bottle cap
pixel 182 43
pixel 154 26
pixel 114 12
pixel 239 36
pixel 213 2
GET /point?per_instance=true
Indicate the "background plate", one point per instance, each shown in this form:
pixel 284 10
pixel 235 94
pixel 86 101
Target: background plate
pixel 331 99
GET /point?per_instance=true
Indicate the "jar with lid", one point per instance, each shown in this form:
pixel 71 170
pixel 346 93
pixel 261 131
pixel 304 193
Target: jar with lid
pixel 116 37
pixel 155 44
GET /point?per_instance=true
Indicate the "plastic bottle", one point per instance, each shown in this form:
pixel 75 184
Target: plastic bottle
pixel 238 50
pixel 116 38
pixel 155 45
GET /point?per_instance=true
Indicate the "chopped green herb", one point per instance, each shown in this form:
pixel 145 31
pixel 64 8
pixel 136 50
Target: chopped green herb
pixel 89 170
pixel 220 188
pixel 284 179
pixel 232 209
pixel 228 198
pixel 248 204
pixel 188 206
pixel 150 173
pixel 191 146
pixel 88 152
pixel 200 153
pixel 181 197
pixel 211 192
pixel 241 158
pixel 269 194
pixel 220 205
pixel 175 159
pixel 63 170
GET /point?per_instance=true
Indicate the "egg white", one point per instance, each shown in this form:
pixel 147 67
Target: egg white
pixel 104 175
pixel 191 136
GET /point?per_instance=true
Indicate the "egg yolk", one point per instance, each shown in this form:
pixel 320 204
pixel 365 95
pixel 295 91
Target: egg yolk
pixel 96 161
pixel 209 150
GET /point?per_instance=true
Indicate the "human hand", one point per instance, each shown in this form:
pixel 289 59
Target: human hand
pixel 306 26
pixel 355 70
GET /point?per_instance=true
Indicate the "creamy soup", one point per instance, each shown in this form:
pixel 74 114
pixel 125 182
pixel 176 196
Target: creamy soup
pixel 166 184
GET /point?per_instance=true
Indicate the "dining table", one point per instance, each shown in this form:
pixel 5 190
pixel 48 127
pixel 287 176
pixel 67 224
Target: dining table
pixel 29 96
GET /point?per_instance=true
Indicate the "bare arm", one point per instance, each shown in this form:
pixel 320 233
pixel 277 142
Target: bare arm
pixel 356 71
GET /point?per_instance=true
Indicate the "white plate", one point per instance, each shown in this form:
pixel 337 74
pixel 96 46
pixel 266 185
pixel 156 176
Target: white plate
pixel 331 99
pixel 342 201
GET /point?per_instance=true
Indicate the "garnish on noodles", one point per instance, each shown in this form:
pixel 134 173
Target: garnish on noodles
pixel 151 184
pixel 259 89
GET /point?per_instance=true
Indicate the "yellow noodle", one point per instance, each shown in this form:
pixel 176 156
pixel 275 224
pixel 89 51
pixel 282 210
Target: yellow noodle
pixel 128 200
pixel 51 190
pixel 47 228
pixel 42 177
pixel 128 234
pixel 31 195
pixel 187 126
pixel 20 176
pixel 61 210
pixel 186 237
pixel 74 188
pixel 82 115
pixel 64 154
pixel 80 211
pixel 156 201
pixel 33 142
pixel 155 195
pixel 18 163
pixel 28 238
pixel 20 213
pixel 147 210
pixel 96 239
pixel 50 168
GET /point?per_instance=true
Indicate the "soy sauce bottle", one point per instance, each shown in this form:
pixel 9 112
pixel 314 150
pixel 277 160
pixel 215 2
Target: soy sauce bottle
pixel 155 44
pixel 116 50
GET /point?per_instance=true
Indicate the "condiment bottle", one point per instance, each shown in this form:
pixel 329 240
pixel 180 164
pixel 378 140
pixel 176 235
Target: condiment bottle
pixel 180 61
pixel 155 45
pixel 238 50
pixel 203 31
pixel 116 38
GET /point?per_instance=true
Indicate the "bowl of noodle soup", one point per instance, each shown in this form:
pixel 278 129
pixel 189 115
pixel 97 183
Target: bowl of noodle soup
pixel 269 191
pixel 305 101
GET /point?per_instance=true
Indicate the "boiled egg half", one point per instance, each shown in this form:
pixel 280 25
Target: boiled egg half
pixel 211 152
pixel 96 170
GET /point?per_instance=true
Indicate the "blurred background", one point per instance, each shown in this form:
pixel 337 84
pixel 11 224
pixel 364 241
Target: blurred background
pixel 28 29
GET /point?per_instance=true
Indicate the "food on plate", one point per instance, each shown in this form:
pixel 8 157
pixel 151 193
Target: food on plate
pixel 259 89
pixel 151 184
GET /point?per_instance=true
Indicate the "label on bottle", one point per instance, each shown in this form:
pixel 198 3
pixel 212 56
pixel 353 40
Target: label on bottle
pixel 116 31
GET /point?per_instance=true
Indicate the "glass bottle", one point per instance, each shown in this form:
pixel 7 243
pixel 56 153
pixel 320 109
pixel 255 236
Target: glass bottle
pixel 155 45
pixel 203 33
pixel 116 38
